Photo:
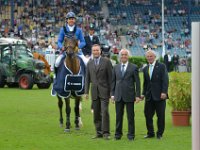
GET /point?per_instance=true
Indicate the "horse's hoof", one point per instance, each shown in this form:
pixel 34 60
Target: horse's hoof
pixel 67 130
pixel 77 128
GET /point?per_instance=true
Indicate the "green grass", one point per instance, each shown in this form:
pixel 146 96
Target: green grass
pixel 29 121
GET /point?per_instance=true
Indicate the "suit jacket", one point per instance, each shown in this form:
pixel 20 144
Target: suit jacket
pixel 128 86
pixel 157 84
pixel 100 78
pixel 166 59
pixel 175 59
pixel 88 47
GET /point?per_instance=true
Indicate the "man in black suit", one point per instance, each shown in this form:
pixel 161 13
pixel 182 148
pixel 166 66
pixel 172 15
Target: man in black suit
pixel 125 91
pixel 99 74
pixel 155 89
pixel 90 39
pixel 167 60
pixel 175 60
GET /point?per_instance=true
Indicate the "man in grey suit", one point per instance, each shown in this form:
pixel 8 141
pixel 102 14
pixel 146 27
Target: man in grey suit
pixel 155 89
pixel 125 91
pixel 99 74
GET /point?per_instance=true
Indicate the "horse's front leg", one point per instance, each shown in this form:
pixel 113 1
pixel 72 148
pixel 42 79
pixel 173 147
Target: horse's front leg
pixel 77 121
pixel 68 111
pixel 60 105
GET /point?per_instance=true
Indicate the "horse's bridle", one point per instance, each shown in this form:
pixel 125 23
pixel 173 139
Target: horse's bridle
pixel 70 51
pixel 71 48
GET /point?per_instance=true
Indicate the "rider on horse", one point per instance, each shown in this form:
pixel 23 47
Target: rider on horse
pixel 70 30
pixel 69 69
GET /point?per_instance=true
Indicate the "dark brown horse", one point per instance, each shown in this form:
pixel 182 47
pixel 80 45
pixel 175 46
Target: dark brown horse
pixel 72 62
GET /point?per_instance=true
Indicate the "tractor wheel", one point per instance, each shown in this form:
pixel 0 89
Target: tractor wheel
pixel 44 85
pixel 2 81
pixel 25 81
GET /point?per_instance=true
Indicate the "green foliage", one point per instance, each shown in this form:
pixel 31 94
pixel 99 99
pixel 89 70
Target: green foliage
pixel 115 58
pixel 161 59
pixel 139 61
pixel 180 91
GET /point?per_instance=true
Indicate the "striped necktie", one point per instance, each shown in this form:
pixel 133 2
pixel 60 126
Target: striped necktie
pixel 96 60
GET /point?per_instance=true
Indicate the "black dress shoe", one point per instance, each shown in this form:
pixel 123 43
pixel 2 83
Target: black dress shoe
pixel 159 137
pixel 106 137
pixel 149 136
pixel 131 139
pixel 97 137
pixel 117 138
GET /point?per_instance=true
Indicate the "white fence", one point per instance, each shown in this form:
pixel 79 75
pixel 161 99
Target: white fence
pixel 50 57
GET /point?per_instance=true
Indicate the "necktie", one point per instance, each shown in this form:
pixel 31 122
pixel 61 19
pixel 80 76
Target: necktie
pixel 123 70
pixel 150 70
pixel 96 61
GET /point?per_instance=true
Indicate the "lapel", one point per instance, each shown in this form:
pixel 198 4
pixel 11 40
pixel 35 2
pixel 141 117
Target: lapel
pixel 118 69
pixel 155 69
pixel 147 72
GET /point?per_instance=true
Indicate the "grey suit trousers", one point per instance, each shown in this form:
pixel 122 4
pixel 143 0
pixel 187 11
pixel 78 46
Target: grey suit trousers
pixel 101 116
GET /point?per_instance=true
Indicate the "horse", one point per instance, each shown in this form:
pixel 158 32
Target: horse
pixel 71 65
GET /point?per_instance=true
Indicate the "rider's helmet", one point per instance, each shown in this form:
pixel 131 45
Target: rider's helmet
pixel 70 15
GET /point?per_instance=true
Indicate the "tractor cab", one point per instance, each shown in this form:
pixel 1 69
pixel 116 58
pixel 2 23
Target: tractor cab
pixel 18 67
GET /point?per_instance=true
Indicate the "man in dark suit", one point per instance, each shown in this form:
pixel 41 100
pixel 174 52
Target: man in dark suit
pixel 125 91
pixel 155 89
pixel 167 60
pixel 90 39
pixel 175 60
pixel 99 74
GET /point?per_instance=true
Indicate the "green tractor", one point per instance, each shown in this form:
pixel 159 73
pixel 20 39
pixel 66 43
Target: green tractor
pixel 19 68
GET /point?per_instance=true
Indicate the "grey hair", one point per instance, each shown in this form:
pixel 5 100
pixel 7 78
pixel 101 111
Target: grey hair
pixel 123 49
pixel 151 51
pixel 120 53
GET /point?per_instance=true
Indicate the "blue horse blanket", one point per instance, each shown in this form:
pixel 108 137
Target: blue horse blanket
pixel 65 82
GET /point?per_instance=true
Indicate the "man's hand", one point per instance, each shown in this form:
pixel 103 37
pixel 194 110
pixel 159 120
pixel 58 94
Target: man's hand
pixel 112 98
pixel 137 100
pixel 163 96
